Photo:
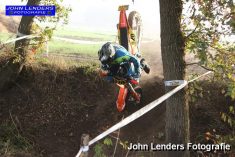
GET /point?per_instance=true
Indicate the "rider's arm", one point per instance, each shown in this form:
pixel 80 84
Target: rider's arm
pixel 123 55
pixel 136 63
pixel 103 70
pixel 104 67
pixel 105 73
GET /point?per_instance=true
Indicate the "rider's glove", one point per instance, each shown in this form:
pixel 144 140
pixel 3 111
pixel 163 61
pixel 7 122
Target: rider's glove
pixel 103 73
pixel 129 78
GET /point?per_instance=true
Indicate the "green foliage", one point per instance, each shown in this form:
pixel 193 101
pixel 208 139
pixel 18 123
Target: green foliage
pixel 108 142
pixel 100 147
pixel 207 26
pixel 195 91
pixel 223 64
pixel 229 118
pixel 99 152
pixel 62 13
pixel 11 140
pixel 124 144
pixel 58 46
pixel 45 25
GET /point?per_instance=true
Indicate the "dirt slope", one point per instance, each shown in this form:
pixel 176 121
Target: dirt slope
pixel 9 24
pixel 54 107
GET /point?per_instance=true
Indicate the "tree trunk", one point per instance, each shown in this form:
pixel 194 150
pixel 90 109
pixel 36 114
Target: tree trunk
pixel 25 28
pixel 10 70
pixel 172 49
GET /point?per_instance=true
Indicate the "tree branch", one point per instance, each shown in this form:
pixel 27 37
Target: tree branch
pixel 206 68
pixel 193 31
pixel 198 63
pixel 187 64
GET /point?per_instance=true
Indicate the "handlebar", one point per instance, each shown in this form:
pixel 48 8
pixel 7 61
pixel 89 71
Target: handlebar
pixel 123 81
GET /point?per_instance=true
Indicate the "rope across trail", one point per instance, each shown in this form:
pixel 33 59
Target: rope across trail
pixel 139 113
pixel 20 38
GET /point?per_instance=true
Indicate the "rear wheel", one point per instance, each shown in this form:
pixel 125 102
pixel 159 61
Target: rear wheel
pixel 135 23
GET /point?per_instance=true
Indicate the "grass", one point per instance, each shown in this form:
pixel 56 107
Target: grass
pixel 81 34
pixel 6 36
pixel 11 141
pixel 62 47
pixel 66 64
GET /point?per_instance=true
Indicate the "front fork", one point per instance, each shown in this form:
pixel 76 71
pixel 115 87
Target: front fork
pixel 123 91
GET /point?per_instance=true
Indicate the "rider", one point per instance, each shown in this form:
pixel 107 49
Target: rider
pixel 117 61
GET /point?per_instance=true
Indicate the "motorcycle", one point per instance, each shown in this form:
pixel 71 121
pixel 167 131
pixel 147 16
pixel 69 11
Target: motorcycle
pixel 129 91
pixel 129 35
pixel 129 88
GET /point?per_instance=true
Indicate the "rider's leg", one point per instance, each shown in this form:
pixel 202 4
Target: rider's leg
pixel 144 65
pixel 138 54
pixel 131 71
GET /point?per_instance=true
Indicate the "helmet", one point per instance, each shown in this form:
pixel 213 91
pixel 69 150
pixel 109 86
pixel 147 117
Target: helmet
pixel 106 52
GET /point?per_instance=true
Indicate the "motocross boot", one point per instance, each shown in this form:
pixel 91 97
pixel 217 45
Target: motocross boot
pixel 145 66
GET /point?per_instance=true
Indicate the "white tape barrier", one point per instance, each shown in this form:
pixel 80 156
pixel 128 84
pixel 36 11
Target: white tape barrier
pixel 89 42
pixel 79 153
pixel 20 38
pixel 200 76
pixel 140 112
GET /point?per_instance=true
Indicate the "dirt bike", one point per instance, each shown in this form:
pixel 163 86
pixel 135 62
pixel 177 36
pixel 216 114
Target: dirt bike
pixel 129 35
